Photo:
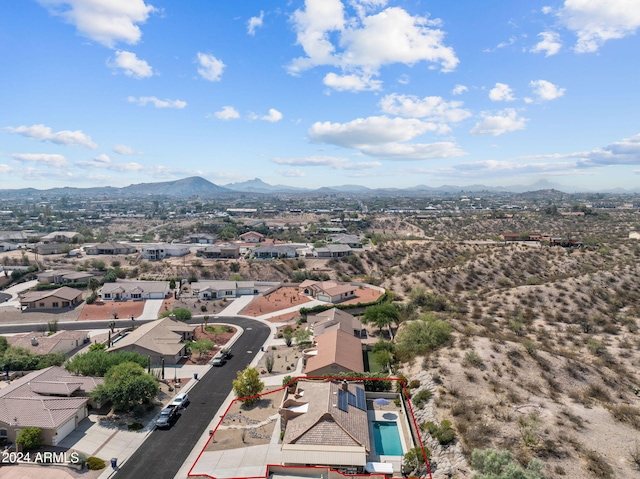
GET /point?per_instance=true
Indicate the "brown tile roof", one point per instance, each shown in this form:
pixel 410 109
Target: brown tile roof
pixel 163 337
pixel 64 292
pixel 324 423
pixel 339 348
pixel 21 402
pixel 46 344
pixel 333 318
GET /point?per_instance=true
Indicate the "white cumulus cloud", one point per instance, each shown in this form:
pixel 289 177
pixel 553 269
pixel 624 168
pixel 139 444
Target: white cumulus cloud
pixel 104 162
pixel 124 150
pixel 105 21
pixel 504 121
pixel 292 173
pixel 227 113
pixel 273 116
pixel 131 65
pixel 384 137
pixel 351 82
pixel 549 44
pixel 546 90
pixel 459 90
pixel 56 161
pixel 501 92
pixel 210 67
pixel 362 43
pixel 432 107
pixel 597 21
pixel 158 103
pixel 255 22
pixel 63 137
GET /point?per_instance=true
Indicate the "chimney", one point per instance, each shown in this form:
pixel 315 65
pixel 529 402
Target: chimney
pixel 345 385
pixel 34 341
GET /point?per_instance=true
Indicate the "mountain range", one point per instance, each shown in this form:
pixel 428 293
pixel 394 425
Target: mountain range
pixel 196 186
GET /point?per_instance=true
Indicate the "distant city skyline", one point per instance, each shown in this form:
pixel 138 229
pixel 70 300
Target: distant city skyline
pixel 378 93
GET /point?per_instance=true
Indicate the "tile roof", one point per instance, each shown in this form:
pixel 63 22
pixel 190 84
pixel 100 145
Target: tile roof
pixel 129 286
pixel 162 337
pixel 22 402
pixel 64 292
pixel 46 344
pixel 339 348
pixel 333 318
pixel 324 423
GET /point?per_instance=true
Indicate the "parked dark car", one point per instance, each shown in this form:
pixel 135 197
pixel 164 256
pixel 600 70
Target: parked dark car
pixel 167 417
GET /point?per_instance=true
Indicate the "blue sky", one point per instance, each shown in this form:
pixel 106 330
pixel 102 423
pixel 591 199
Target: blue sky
pixel 380 93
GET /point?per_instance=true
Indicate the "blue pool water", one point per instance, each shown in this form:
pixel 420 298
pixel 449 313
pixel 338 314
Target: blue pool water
pixel 386 438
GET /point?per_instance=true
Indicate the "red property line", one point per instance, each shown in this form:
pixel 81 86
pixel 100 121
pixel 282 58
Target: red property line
pixel 325 378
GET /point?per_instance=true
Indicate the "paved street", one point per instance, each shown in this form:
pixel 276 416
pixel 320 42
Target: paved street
pixel 164 451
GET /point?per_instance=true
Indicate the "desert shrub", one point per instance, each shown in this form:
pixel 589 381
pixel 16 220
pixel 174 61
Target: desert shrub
pixel 598 465
pixel 421 336
pixel 95 463
pixel 415 383
pixel 442 432
pixel 473 359
pixel 492 464
pixel 422 397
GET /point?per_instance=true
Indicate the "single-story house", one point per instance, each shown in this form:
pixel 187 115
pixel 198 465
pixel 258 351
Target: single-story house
pixel 276 251
pixel 351 240
pixel 225 251
pixel 335 352
pixel 252 237
pixel 328 291
pixel 14 237
pixel 51 399
pixel 64 276
pixel 156 252
pixel 60 237
pixel 161 339
pixel 111 248
pixel 40 343
pixel 6 246
pixel 218 289
pixel 334 318
pixel 55 299
pixel 510 236
pixel 202 238
pixel 51 248
pixel 326 423
pixel 126 290
pixel 333 251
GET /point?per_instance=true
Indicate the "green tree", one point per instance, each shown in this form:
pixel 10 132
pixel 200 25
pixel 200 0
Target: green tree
pixel 94 285
pixel 420 336
pixel 201 346
pixel 247 386
pixel 29 438
pixel 302 336
pixel 126 385
pixel 380 315
pixel 3 345
pixel 97 363
pixel 414 459
pixel 500 464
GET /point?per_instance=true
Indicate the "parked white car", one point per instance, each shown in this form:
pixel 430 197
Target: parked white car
pixel 180 401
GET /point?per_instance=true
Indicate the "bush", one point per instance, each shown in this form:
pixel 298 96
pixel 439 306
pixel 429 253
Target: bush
pixel 415 383
pixel 492 463
pixel 29 438
pixel 91 298
pixel 422 397
pixel 443 433
pixel 95 463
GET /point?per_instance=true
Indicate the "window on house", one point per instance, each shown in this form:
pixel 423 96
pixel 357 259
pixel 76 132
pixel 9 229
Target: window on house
pixel 3 432
pixel 41 305
pixel 136 295
pixel 55 304
pixel 107 295
pixel 228 293
pixel 65 304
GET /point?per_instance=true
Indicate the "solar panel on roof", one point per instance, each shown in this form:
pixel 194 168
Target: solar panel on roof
pixel 361 401
pixel 343 403
pixel 352 399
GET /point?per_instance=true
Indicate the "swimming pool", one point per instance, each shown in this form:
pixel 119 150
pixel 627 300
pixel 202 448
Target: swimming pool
pixel 386 438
